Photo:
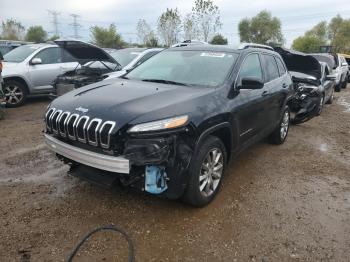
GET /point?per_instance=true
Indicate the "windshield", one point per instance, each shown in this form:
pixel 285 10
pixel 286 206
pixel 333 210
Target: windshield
pixel 125 56
pixel 205 68
pixel 19 54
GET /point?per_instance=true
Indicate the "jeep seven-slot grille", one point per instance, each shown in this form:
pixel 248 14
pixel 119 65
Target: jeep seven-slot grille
pixel 93 131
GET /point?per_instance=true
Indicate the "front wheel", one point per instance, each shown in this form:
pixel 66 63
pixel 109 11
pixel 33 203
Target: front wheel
pixel 205 172
pixel 15 93
pixel 279 135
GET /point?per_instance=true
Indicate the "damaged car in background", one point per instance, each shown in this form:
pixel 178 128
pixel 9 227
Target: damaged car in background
pixel 313 84
pixel 94 64
pixel 170 126
pixel 129 58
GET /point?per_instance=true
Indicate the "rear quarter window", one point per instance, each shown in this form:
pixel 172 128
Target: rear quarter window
pixel 271 68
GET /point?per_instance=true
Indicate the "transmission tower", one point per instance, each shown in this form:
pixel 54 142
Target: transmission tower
pixel 75 25
pixel 54 21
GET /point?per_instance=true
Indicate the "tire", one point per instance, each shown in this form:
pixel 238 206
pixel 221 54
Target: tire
pixel 204 183
pixel 320 105
pixel 337 87
pixel 343 85
pixel 15 93
pixel 279 135
pixel 331 98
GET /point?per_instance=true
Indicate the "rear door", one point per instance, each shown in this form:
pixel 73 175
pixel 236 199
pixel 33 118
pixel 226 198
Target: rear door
pixel 276 85
pixel 250 104
pixel 55 61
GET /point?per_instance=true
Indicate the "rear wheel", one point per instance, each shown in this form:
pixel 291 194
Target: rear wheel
pixel 279 135
pixel 206 171
pixel 331 98
pixel 15 93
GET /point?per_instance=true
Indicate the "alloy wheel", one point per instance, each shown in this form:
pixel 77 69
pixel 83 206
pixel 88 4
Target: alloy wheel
pixel 284 125
pixel 211 172
pixel 13 94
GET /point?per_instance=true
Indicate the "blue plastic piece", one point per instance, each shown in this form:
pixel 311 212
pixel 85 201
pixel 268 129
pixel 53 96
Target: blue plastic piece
pixel 155 181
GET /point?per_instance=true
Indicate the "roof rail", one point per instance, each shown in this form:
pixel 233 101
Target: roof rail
pixel 253 45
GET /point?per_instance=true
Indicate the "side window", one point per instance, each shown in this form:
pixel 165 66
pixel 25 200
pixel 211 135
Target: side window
pixel 67 57
pixel 145 57
pixel 271 68
pixel 280 65
pixel 251 67
pixel 50 55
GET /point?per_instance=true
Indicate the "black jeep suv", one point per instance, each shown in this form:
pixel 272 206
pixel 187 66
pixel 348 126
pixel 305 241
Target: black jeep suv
pixel 170 126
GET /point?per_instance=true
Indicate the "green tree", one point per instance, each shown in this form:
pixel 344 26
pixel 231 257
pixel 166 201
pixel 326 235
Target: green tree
pixel 219 40
pixel 53 38
pixel 169 26
pixel 334 26
pixel 319 31
pixel 261 29
pixel 307 44
pixel 190 27
pixel 106 37
pixel 36 34
pixel 341 41
pixel 206 17
pixel 12 30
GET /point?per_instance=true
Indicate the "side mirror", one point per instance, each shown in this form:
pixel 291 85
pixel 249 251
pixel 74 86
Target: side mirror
pixel 344 64
pixel 330 77
pixel 36 61
pixel 251 83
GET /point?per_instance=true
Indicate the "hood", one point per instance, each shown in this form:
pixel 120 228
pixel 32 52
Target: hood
pixel 85 52
pixel 300 62
pixel 131 101
pixel 326 58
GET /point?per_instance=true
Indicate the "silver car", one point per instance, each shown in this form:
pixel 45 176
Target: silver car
pixel 31 70
pixel 130 58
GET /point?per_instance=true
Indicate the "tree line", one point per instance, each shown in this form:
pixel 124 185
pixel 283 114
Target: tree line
pixel 202 23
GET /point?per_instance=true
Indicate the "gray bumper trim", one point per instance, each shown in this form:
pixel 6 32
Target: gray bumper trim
pixel 100 161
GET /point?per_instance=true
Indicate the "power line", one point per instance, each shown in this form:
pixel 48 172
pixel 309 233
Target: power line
pixel 54 21
pixel 75 25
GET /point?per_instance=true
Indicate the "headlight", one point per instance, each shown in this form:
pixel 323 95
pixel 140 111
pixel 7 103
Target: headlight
pixel 168 123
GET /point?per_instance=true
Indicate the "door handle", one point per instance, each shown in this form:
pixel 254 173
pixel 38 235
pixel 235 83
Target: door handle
pixel 265 93
pixel 284 85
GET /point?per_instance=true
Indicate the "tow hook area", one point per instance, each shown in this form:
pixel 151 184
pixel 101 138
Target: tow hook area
pixel 155 180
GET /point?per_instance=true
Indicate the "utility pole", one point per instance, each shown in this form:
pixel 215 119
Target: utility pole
pixel 54 21
pixel 75 25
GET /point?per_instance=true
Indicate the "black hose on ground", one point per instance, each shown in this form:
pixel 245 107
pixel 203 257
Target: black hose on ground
pixel 131 257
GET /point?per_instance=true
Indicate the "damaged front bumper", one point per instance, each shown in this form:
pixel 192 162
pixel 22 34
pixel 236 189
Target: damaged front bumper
pixel 157 165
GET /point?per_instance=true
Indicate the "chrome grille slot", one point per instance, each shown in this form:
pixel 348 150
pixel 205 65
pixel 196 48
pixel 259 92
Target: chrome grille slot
pixel 62 123
pixel 92 131
pixel 47 118
pixel 71 122
pixel 81 128
pixel 54 121
pixel 105 133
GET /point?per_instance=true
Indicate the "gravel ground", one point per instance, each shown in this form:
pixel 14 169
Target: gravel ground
pixel 278 203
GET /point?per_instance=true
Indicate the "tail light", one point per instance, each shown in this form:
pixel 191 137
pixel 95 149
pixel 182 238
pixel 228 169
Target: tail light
pixel 1 66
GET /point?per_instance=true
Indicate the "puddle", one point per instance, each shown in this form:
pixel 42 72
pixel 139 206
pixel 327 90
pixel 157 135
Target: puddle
pixel 342 101
pixel 324 147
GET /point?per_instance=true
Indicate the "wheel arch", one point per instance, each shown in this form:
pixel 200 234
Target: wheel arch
pixel 224 132
pixel 18 79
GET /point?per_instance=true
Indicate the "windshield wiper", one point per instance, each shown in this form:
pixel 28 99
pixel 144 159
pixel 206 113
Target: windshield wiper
pixel 163 81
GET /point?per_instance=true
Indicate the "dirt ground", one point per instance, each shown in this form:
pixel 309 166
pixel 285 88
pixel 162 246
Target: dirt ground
pixel 277 203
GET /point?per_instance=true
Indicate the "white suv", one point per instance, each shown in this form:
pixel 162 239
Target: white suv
pixel 31 69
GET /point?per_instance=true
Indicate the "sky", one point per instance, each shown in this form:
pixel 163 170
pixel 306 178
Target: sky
pixel 297 16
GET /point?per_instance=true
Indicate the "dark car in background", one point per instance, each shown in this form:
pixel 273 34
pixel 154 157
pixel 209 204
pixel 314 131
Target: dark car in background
pixel 313 84
pixel 170 125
